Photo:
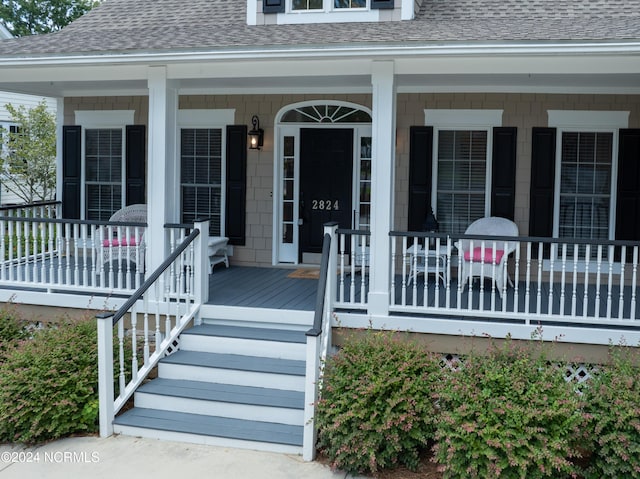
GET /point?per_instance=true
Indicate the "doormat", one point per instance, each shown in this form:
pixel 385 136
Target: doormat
pixel 305 273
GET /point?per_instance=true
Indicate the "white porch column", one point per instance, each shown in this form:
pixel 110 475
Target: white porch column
pixel 382 181
pixel 162 177
pixel 59 152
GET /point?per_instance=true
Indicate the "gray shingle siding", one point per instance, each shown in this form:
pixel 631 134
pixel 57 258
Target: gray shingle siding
pixel 121 26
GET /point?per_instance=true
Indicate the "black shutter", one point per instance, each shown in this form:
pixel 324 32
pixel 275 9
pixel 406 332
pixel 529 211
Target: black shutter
pixel 420 160
pixel 543 166
pixel 503 177
pixel 236 184
pixel 273 6
pixel 135 181
pixel 71 170
pixel 628 202
pixel 381 4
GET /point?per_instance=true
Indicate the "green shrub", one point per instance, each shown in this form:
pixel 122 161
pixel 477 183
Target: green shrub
pixel 375 409
pixel 507 415
pixel 613 404
pixel 12 330
pixel 48 385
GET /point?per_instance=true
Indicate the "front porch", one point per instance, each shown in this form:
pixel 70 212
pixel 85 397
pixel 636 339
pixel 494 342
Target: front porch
pixel 242 343
pixel 578 287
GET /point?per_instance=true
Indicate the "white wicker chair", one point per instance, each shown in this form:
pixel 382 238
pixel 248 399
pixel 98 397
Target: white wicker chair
pixel 123 242
pixel 483 261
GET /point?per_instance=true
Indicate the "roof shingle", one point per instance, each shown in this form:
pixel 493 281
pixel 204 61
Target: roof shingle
pixel 126 26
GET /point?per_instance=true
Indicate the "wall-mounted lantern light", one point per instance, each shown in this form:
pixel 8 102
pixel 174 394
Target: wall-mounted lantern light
pixel 256 134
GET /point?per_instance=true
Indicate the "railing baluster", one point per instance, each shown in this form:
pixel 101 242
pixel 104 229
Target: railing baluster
pixel 482 266
pixel 610 282
pixel 84 235
pixel 11 246
pixel 527 286
pixel 342 268
pixel 494 250
pixel 414 269
pixel 552 257
pixel 436 257
pixel 67 250
pixel 366 261
pixel 76 270
pixel 598 272
pixel 470 279
pixel 156 296
pixel 448 274
pixel 585 299
pixel 516 282
pixel 406 262
pixel 623 257
pixel 121 359
pixel 561 310
pixel 539 291
pixel 134 343
pixel 145 300
pixel 3 250
pixel 352 289
pixel 574 293
pixel 460 285
pixel 634 283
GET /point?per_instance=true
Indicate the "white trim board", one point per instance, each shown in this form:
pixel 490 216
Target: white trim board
pixel 221 117
pixel 588 119
pixel 444 118
pixel 104 118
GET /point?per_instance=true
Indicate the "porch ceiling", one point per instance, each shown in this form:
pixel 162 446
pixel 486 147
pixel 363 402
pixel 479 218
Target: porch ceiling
pixel 522 83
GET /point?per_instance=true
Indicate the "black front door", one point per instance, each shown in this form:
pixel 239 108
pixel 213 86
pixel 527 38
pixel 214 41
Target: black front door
pixel 326 169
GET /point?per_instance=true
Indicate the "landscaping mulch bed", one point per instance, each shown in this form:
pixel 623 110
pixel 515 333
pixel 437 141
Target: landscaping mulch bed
pixel 426 469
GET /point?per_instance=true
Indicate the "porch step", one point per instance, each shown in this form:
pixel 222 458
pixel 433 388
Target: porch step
pixel 235 385
pixel 236 369
pixel 258 341
pixel 204 429
pixel 224 400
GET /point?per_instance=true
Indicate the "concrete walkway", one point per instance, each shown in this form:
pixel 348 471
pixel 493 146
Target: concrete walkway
pixel 123 456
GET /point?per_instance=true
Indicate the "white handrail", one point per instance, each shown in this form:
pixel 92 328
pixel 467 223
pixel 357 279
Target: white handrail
pixel 175 293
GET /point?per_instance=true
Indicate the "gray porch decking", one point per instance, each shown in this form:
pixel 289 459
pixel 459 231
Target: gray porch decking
pixel 261 288
pixel 272 288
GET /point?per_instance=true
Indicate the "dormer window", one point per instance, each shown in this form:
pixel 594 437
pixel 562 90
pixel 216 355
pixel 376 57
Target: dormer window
pixel 350 4
pixel 267 12
pixel 326 5
pixel 303 5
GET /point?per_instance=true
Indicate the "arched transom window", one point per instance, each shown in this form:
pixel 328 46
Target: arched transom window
pixel 324 113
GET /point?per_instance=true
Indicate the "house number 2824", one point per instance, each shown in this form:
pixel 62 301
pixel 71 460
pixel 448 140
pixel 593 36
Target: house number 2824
pixel 325 205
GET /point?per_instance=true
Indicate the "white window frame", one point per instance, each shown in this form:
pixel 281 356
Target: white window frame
pixel 327 14
pixel 587 121
pixel 208 119
pixel 328 7
pixel 96 120
pixel 462 120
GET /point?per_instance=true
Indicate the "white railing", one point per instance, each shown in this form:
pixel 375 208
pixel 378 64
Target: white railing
pixel 527 280
pixel 353 265
pixel 319 339
pixel 40 209
pixel 147 326
pixel 55 254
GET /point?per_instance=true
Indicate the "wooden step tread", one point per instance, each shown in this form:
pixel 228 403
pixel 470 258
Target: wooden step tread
pixel 229 393
pixel 212 426
pixel 236 361
pixel 241 332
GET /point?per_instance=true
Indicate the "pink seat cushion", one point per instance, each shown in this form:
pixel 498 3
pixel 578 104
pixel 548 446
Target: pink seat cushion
pixel 489 257
pixel 120 242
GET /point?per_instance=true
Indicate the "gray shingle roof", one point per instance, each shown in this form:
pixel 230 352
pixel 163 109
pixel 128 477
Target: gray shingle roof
pixel 177 25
